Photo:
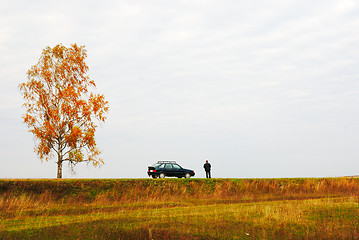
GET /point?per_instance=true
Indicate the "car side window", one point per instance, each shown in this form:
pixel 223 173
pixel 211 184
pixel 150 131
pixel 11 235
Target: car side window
pixel 168 166
pixel 162 166
pixel 176 167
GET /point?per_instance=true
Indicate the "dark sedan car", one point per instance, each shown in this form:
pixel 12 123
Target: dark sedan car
pixel 163 169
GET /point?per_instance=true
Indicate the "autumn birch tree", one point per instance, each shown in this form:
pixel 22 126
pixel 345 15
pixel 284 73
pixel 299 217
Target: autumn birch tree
pixel 60 109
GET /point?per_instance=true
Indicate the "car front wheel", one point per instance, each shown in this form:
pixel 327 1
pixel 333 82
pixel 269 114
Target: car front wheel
pixel 162 175
pixel 187 175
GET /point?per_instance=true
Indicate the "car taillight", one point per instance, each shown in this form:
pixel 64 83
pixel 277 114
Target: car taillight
pixel 150 170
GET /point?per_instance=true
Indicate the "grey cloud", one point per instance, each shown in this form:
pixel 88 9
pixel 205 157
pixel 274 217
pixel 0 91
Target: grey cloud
pixel 255 86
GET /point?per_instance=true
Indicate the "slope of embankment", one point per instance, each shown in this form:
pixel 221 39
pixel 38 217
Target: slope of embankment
pixel 172 189
pixel 298 208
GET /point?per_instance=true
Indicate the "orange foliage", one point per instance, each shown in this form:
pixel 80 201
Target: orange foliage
pixel 60 111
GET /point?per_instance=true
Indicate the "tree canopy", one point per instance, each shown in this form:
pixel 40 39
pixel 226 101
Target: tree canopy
pixel 60 109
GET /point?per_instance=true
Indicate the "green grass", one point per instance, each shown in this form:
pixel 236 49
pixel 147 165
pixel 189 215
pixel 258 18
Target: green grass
pixel 325 208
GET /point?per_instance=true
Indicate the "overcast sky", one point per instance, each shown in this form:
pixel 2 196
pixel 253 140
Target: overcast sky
pixel 259 88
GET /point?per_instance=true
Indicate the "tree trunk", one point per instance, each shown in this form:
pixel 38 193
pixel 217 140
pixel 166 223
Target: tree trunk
pixel 59 169
pixel 59 159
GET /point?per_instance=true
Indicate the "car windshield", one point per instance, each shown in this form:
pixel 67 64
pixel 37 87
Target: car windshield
pixel 176 166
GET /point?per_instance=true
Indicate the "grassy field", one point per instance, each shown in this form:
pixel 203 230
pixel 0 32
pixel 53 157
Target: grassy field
pixel 326 208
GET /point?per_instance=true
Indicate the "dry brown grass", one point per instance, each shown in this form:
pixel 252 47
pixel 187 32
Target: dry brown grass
pixel 325 208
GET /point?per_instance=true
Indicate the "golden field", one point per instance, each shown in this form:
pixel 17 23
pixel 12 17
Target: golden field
pixel 295 208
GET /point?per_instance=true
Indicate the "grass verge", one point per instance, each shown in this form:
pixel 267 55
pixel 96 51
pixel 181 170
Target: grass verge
pixel 180 209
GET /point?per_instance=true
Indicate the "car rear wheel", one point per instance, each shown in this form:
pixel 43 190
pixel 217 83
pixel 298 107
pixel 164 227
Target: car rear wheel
pixel 187 175
pixel 162 175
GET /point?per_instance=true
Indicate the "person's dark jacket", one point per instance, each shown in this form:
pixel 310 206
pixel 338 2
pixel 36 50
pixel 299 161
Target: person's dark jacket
pixel 207 167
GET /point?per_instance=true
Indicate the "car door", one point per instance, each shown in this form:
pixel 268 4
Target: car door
pixel 169 170
pixel 177 170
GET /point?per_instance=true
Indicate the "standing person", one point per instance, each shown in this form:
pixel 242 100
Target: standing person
pixel 207 168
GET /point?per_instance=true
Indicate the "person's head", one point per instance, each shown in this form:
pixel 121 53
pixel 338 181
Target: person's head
pixel 207 161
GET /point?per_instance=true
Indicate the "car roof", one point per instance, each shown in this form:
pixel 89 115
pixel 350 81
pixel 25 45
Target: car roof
pixel 166 162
